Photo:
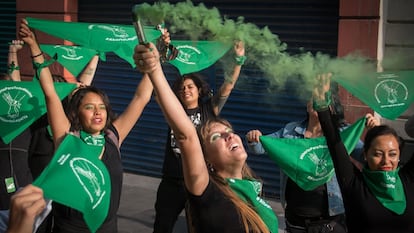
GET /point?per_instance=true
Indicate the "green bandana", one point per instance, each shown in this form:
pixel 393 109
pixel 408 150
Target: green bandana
pixel 73 58
pixel 249 191
pixel 116 38
pixel 77 178
pixel 387 93
pixel 22 103
pixel 307 161
pixel 387 188
pixel 98 140
pixel 194 56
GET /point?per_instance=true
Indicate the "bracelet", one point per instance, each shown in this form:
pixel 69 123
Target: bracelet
pixel 38 55
pixel 240 60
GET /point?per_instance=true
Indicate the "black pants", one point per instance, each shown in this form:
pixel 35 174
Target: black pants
pixel 335 224
pixel 171 200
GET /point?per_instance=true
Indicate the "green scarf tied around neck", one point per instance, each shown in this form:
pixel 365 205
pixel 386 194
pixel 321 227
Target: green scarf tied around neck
pixel 97 140
pixel 387 188
pixel 248 191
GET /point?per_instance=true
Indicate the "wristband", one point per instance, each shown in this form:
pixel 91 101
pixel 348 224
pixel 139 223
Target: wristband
pixel 38 55
pixel 39 66
pixel 240 60
pixel 12 67
pixel 320 105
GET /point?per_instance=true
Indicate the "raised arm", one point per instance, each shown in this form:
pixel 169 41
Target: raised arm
pixel 13 61
pixel 57 118
pixel 342 163
pixel 126 121
pixel 229 82
pixel 88 73
pixel 194 168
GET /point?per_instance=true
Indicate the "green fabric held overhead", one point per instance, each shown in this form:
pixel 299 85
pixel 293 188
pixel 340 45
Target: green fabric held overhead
pixel 387 93
pixel 77 178
pixel 22 103
pixel 116 38
pixel 194 56
pixel 73 58
pixel 307 161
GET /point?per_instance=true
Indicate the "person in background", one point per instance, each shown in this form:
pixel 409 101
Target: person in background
pixel 89 112
pixel 380 198
pixel 223 193
pixel 26 204
pixel 194 94
pixel 14 167
pixel 315 208
pixel 409 126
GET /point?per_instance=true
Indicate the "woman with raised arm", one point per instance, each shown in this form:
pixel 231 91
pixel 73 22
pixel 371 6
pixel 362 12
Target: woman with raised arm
pixel 223 193
pixel 89 115
pixel 195 96
pixel 380 198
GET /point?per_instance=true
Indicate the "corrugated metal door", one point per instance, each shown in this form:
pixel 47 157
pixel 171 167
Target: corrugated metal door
pixel 307 24
pixel 7 30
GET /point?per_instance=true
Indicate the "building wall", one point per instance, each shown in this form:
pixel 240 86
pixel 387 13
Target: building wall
pixel 65 10
pixel 358 31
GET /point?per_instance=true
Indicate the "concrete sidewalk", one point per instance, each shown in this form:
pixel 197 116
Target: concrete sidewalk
pixel 136 213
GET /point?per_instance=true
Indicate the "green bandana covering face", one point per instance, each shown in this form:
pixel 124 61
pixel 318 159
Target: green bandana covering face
pixel 249 190
pixel 21 103
pixel 77 178
pixel 387 93
pixel 194 56
pixel 387 188
pixel 307 161
pixel 98 140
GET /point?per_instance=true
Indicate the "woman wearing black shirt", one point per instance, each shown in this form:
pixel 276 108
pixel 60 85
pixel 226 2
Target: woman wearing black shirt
pixel 381 197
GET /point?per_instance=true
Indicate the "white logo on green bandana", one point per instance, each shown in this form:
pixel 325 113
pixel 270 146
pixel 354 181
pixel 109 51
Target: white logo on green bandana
pixel 90 177
pixel 70 53
pixel 188 54
pixel 14 97
pixel 319 158
pixel 117 33
pixel 390 92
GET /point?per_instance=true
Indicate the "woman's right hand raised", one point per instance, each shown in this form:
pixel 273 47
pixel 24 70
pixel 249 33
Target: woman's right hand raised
pixel 146 58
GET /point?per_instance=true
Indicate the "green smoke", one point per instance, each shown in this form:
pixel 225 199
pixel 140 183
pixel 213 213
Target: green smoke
pixel 264 50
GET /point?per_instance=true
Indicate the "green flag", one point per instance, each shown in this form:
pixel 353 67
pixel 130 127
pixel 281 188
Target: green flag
pixel 307 161
pixel 120 39
pixel 73 58
pixel 77 178
pixel 194 56
pixel 387 93
pixel 22 103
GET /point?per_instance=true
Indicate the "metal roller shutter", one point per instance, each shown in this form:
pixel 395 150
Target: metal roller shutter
pixel 308 24
pixel 7 30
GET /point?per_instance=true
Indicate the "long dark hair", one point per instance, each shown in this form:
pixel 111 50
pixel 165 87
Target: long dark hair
pixel 198 80
pixel 75 101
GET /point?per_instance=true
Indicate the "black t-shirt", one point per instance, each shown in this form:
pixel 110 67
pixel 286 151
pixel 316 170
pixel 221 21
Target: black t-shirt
pixel 364 213
pixel 214 212
pixel 41 148
pixel 172 158
pixel 14 163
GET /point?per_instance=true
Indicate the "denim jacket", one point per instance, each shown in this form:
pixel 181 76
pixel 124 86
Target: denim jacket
pixel 297 130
